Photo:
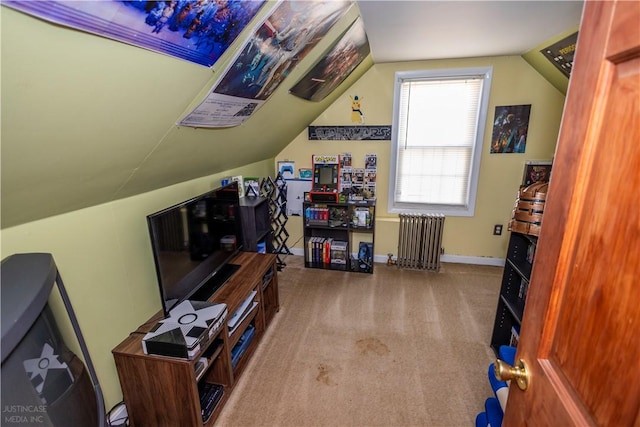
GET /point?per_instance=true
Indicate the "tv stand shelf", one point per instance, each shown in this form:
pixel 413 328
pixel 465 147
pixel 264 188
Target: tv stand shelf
pixel 160 390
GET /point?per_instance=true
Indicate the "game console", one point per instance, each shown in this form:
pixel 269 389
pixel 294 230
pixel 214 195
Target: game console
pixel 188 328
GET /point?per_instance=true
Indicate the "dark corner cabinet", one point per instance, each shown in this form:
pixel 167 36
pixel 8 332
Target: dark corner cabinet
pixel 257 233
pixel 168 391
pixel 339 236
pixel 513 291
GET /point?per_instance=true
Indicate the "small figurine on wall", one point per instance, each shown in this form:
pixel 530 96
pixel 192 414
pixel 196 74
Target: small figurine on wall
pixel 357 116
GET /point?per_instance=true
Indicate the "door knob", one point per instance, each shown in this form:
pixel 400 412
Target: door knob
pixel 506 372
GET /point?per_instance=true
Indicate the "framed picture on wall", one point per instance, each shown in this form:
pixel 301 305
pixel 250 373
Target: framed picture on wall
pixel 306 174
pixel 251 186
pixel 536 171
pixel 287 169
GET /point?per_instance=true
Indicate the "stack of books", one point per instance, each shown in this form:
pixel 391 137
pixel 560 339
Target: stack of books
pixel 318 250
pixel 326 250
pixel 317 215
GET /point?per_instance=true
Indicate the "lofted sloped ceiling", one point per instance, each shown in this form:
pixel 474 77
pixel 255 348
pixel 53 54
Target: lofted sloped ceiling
pixel 87 120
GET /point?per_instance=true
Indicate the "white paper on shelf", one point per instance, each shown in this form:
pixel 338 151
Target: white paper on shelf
pixel 244 315
pixel 240 312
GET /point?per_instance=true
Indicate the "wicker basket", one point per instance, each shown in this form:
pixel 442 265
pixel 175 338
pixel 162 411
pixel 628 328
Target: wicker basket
pixel 528 209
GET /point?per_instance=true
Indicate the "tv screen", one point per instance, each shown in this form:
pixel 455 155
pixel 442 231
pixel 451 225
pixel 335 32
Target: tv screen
pixel 326 175
pixel 192 243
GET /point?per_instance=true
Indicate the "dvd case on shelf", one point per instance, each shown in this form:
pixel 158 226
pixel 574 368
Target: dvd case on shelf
pixel 339 252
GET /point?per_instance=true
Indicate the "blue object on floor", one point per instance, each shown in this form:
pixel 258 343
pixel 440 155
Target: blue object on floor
pixel 500 388
pixel 482 420
pixel 494 412
pixel 507 354
pixel 495 383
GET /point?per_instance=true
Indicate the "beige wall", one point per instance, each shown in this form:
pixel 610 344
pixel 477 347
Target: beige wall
pixel 104 258
pixel 465 239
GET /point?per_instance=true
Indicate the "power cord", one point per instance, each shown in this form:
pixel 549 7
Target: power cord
pixel 286 254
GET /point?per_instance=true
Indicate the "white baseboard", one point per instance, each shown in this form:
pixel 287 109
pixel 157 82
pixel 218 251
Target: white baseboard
pixel 477 260
pixel 460 259
pixel 297 251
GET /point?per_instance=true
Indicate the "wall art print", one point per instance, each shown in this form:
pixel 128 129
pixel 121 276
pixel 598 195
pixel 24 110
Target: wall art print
pixel 198 31
pixel 357 115
pixel 510 128
pixel 277 45
pixel 287 169
pixel 335 66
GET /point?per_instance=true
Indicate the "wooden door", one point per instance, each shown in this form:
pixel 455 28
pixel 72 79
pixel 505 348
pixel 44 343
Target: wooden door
pixel 581 329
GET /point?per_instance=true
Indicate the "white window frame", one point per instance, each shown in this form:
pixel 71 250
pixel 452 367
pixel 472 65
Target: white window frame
pixel 466 209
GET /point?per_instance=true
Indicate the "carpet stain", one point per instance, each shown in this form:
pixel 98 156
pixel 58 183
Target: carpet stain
pixel 372 345
pixel 323 374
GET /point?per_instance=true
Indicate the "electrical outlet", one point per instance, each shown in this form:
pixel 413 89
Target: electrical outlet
pixel 497 229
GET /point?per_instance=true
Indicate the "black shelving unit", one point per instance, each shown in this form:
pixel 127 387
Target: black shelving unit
pixel 327 225
pixel 514 289
pixel 256 224
pixel 275 191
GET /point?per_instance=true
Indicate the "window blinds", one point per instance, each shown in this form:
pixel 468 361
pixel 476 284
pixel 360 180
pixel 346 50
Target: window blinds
pixel 436 137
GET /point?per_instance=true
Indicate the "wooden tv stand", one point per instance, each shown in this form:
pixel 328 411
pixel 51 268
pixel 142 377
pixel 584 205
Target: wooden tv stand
pixel 163 391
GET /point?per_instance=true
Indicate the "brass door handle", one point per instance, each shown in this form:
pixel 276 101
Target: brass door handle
pixel 506 372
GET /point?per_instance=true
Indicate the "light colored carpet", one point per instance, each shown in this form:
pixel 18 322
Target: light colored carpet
pixel 393 348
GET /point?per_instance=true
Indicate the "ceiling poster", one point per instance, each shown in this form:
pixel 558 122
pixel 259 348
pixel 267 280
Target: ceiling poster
pixel 278 44
pixel 198 31
pixel 335 66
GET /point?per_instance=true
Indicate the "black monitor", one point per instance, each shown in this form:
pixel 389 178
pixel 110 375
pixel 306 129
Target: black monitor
pixel 193 243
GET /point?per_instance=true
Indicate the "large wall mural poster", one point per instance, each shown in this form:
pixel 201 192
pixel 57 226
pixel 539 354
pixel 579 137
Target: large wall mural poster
pixel 277 45
pixel 335 66
pixel 199 31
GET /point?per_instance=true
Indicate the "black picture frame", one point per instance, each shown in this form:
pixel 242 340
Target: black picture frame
pixel 536 171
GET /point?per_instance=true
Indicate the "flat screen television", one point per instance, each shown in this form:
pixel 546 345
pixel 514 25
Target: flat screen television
pixel 193 243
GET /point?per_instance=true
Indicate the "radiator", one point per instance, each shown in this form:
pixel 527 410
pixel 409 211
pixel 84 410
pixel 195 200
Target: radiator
pixel 420 241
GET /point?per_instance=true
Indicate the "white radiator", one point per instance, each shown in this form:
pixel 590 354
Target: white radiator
pixel 420 241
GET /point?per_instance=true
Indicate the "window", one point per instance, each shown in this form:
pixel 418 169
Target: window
pixel 439 117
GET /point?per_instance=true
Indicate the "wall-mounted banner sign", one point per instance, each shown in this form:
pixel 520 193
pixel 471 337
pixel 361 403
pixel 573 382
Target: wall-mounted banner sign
pixel 561 53
pixel 283 39
pixel 350 133
pixel 335 66
pixel 194 30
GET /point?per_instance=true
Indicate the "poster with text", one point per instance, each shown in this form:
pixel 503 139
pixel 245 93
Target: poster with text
pixel 279 43
pixel 561 53
pixel 336 65
pixel 199 31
